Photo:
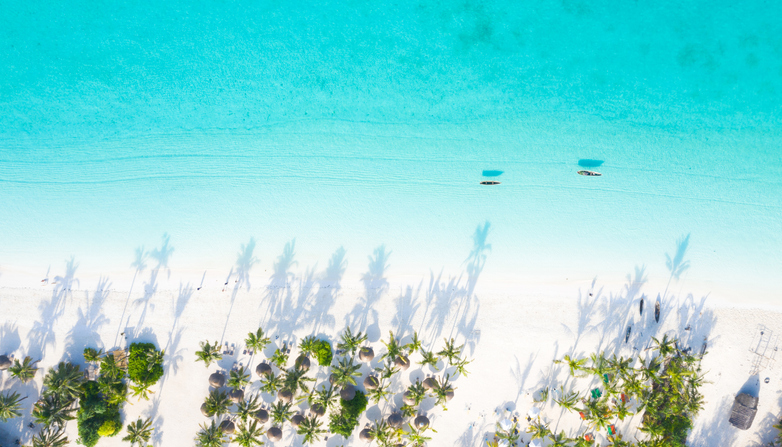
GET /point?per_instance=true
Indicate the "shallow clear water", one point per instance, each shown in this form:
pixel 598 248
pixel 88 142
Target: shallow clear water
pixel 361 124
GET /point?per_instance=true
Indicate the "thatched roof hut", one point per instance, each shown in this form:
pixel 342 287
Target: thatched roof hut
pixel 303 362
pixel 262 416
pixel 421 422
pixel 274 434
pixel 285 396
pixel 365 435
pixel 227 427
pixel 296 420
pixel 332 378
pixel 371 382
pixel 408 398
pixel 745 407
pixel 448 395
pixel 5 362
pixel 205 411
pixel 318 409
pixel 430 383
pixel 263 369
pixel 395 420
pixel 348 392
pixel 402 362
pixel 236 395
pixel 366 354
pixel 217 380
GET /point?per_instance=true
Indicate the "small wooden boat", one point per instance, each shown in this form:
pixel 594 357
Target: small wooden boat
pixel 490 182
pixel 590 173
pixel 657 311
pixel 641 307
pixel 627 335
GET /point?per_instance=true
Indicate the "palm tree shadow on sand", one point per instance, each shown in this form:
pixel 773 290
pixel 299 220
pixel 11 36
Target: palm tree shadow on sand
pixel 375 285
pixel 41 335
pixel 162 257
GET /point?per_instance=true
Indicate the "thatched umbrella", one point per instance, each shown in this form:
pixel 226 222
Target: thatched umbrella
pixel 332 378
pixel 296 420
pixel 371 383
pixel 263 369
pixel 285 396
pixel 430 383
pixel 205 411
pixel 448 395
pixel 236 395
pixel 408 398
pixel 365 435
pixel 366 354
pixel 227 427
pixel 348 392
pixel 743 412
pixel 303 363
pixel 262 416
pixel 318 409
pixel 421 422
pixel 395 420
pixel 217 380
pixel 5 362
pixel 402 362
pixel 274 434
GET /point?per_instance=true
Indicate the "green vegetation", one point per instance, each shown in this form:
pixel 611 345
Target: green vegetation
pixel 9 406
pixel 145 364
pixel 210 436
pixel 96 416
pixel 351 342
pixel 24 371
pixel 256 341
pixel 208 353
pixel 323 352
pixel 311 429
pixel 346 420
pixel 92 355
pixel 139 432
pixel 665 387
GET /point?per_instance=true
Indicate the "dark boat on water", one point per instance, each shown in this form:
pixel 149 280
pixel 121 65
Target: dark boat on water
pixel 590 173
pixel 490 182
pixel 657 310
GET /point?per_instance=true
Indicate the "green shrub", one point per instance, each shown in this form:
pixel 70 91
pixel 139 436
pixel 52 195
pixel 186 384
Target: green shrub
pixel 346 420
pixel 141 369
pixel 108 428
pixel 323 352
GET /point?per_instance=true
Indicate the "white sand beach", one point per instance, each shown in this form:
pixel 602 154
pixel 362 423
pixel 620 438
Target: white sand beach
pixel 513 337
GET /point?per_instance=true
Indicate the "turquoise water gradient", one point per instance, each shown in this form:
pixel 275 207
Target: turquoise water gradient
pixel 357 124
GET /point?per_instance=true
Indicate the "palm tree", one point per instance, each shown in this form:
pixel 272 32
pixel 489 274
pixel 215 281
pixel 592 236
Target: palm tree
pixel 24 371
pixel 64 382
pixel 238 378
pixel 665 346
pixel 155 358
pixel 50 437
pixel 511 435
pixel 271 383
pixel 249 434
pixel 460 366
pixel 429 358
pixel 416 392
pixel 393 349
pixel 450 351
pixel 110 369
pixel 574 365
pixel 382 433
pixel 310 427
pixel 52 411
pixel 257 341
pixel 210 436
pixel 217 403
pixel 567 400
pixel 92 355
pixel 247 408
pixel 208 353
pixel 325 397
pixel 559 440
pixel 9 406
pixel 380 392
pixel 345 372
pixel 416 437
pixel 279 358
pixel 414 345
pixel 442 390
pixel 622 411
pixel 281 412
pixel 141 391
pixel 538 429
pixel 387 371
pixel 139 432
pixel 308 345
pixel 296 380
pixel 351 342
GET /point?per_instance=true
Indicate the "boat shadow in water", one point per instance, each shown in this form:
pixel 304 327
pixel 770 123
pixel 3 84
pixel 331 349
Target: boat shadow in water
pixel 590 163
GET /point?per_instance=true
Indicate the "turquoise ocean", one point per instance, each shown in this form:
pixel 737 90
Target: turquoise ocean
pixel 359 125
